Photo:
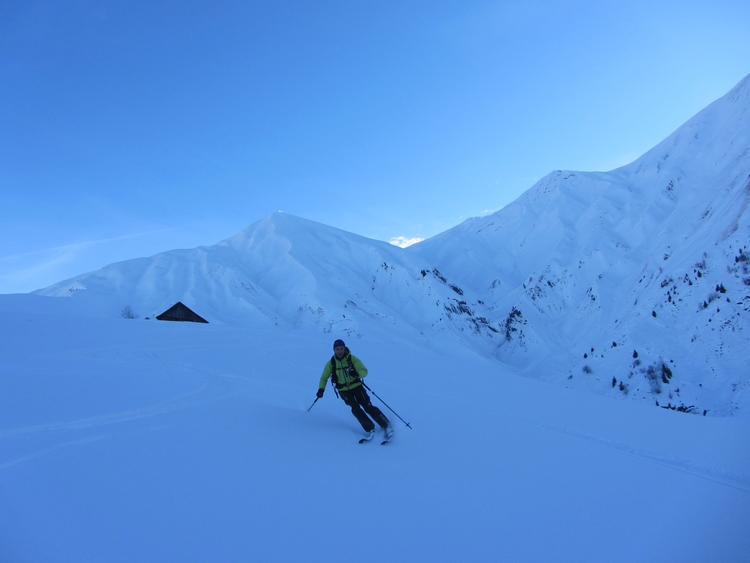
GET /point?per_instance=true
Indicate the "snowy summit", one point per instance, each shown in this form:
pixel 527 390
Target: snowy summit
pixel 634 282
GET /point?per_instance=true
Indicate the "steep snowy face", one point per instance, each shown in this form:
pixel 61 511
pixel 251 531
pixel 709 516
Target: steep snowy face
pixel 652 255
pixel 697 173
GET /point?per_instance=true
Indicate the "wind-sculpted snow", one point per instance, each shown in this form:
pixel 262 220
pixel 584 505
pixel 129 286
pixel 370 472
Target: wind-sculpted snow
pixel 589 279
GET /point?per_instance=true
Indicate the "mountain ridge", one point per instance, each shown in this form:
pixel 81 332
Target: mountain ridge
pixel 593 258
pixel 603 280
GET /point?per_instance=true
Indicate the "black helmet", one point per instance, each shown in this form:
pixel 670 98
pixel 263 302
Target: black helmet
pixel 338 343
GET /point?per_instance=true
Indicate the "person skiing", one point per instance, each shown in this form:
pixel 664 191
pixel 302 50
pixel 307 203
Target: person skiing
pixel 346 371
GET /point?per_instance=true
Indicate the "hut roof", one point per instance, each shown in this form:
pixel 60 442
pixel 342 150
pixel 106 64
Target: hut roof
pixel 180 312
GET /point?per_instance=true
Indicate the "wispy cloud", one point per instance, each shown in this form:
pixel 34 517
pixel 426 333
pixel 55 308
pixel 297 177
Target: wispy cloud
pixel 70 248
pixel 403 242
pixel 20 273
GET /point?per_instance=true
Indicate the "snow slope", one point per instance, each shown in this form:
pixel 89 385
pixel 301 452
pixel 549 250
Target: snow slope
pixel 601 275
pixel 134 440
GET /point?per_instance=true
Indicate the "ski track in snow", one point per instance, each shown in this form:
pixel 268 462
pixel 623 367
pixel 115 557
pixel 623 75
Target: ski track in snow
pixel 39 453
pixel 739 481
pixel 715 474
pixel 227 375
pixel 208 391
pixel 177 403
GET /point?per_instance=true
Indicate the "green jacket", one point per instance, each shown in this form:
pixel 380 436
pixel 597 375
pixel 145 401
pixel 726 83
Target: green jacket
pixel 344 380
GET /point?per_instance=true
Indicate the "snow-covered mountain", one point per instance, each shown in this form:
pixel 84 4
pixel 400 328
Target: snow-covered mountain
pixel 633 282
pixel 636 280
pixel 290 272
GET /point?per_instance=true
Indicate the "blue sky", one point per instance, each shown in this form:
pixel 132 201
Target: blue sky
pixel 131 128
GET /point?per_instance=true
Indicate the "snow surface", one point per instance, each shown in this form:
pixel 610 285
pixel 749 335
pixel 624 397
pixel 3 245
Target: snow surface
pixel 134 440
pixel 123 438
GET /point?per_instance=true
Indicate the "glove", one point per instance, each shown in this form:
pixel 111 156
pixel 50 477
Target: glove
pixel 320 392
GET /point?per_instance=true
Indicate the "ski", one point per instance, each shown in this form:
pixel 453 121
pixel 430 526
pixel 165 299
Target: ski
pixel 369 437
pixel 388 436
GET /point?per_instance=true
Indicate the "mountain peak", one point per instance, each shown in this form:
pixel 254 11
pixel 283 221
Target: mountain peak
pixel 634 257
pixel 581 276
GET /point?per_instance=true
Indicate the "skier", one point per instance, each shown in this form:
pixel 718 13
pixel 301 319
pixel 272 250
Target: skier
pixel 345 370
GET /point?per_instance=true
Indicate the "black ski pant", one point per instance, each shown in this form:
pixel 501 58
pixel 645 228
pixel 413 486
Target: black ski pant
pixel 359 401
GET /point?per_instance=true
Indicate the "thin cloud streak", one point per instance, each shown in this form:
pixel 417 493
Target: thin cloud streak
pixel 81 245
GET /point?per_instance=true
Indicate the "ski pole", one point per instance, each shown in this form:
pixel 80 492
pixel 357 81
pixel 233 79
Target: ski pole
pixel 315 401
pixel 386 404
